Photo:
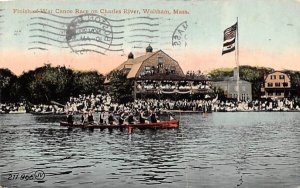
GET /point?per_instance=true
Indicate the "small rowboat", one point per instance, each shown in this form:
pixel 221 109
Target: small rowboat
pixel 172 124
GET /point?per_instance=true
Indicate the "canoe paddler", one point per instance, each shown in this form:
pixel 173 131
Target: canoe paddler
pixel 121 118
pixel 90 117
pixel 153 118
pixel 111 118
pixel 82 118
pixel 131 119
pixel 142 118
pixel 70 117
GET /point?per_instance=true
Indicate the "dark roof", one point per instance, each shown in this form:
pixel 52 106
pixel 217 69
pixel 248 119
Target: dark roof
pixel 130 55
pixel 149 49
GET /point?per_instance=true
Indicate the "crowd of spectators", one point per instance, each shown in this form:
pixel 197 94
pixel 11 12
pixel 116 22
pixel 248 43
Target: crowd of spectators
pixel 22 107
pixel 12 108
pixel 258 105
pixel 104 102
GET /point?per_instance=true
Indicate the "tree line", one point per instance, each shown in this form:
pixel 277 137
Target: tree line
pixel 47 83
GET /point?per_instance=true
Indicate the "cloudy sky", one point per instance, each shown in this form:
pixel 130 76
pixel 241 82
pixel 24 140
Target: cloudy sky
pixel 269 33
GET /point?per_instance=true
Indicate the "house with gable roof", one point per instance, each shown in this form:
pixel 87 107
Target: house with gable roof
pixel 157 75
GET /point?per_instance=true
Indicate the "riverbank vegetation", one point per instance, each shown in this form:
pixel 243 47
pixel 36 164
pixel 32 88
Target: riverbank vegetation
pixel 47 83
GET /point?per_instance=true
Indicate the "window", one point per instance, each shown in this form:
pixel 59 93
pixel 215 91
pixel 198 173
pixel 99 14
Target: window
pixel 281 77
pixel 173 69
pixel 285 84
pixel 270 84
pixel 278 93
pixel 270 93
pixel 277 84
pixel 147 70
pixel 273 77
pixel 160 62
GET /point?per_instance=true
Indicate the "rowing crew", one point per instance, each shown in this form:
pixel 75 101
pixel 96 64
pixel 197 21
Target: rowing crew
pixel 124 117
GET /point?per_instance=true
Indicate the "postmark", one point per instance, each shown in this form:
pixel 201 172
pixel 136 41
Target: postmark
pixel 95 33
pixel 89 32
pixel 143 30
pixel 179 37
pixel 81 34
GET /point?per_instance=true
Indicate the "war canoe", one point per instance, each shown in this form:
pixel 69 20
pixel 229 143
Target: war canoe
pixel 172 124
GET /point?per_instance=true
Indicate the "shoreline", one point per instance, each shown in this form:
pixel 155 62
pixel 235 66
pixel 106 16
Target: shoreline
pixel 172 111
pixel 181 111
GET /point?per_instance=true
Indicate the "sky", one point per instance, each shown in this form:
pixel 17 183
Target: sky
pixel 268 33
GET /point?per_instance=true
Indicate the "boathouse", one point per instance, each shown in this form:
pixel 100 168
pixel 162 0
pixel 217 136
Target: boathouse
pixel 157 75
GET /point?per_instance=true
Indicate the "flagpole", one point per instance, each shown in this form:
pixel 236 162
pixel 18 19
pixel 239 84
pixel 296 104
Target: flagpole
pixel 237 61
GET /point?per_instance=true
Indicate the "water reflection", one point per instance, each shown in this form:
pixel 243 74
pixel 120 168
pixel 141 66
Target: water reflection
pixel 221 149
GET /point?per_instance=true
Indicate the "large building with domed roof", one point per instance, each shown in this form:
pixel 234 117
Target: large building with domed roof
pixel 157 75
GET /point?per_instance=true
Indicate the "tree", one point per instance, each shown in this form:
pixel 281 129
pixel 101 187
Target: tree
pixel 220 73
pixel 120 87
pixel 8 86
pixel 295 81
pixel 47 83
pixel 87 82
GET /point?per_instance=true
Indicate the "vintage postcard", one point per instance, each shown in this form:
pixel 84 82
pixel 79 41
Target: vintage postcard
pixel 157 93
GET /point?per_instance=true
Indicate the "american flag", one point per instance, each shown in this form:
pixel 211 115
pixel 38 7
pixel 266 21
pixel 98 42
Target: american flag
pixel 229 39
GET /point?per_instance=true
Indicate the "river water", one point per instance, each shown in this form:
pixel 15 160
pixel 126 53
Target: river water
pixel 241 149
